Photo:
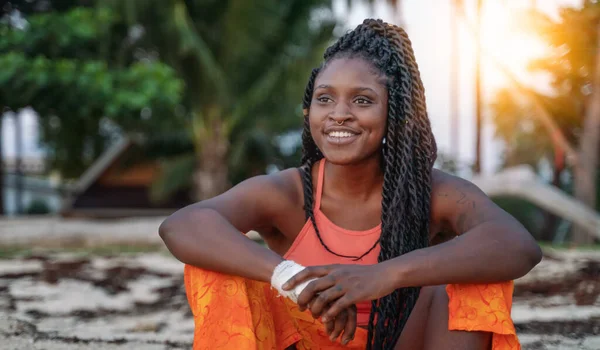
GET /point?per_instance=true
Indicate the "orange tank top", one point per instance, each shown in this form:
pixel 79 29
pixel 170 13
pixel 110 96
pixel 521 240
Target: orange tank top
pixel 307 250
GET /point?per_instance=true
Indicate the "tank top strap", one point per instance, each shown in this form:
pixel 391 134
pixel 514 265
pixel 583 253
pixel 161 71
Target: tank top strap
pixel 320 184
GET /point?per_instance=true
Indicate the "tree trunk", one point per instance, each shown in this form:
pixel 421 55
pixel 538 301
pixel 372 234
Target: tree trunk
pixel 211 177
pixel 551 221
pixel 587 167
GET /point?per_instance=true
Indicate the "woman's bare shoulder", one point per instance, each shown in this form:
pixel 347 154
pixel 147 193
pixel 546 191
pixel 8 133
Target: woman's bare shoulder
pixel 288 183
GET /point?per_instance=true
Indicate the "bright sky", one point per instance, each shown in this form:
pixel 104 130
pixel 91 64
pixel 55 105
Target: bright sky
pixel 428 24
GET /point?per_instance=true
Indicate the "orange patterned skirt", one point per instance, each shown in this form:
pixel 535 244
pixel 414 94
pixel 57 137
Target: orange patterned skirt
pixel 237 313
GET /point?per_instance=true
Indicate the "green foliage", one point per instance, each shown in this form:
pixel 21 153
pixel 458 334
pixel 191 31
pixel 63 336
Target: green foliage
pixel 526 139
pixel 85 88
pixel 28 7
pixel 573 37
pixel 55 35
pixel 244 66
pixel 569 63
pixel 248 61
pixel 76 70
pixel 37 207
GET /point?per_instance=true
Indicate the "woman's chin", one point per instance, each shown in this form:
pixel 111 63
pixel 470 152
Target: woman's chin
pixel 338 157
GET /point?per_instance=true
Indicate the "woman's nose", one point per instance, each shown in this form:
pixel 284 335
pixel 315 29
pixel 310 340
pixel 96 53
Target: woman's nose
pixel 340 114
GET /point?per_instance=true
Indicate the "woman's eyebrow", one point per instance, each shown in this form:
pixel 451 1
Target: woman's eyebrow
pixel 357 89
pixel 364 88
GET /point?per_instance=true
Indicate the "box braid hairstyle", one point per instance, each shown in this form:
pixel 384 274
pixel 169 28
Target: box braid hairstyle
pixel 408 154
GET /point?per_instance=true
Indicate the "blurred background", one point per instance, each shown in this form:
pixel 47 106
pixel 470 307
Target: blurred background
pixel 116 113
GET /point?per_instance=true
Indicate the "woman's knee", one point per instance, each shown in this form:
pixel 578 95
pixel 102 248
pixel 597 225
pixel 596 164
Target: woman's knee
pixel 413 335
pixel 436 293
pixel 437 333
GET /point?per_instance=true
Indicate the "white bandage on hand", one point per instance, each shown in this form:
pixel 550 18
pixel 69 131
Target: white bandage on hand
pixel 282 273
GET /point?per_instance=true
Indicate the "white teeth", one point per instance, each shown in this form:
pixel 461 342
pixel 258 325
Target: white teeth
pixel 340 134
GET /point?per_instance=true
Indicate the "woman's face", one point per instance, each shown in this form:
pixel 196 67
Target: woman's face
pixel 348 111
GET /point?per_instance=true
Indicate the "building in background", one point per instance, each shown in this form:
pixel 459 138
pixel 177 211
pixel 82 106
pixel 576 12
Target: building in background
pixel 118 185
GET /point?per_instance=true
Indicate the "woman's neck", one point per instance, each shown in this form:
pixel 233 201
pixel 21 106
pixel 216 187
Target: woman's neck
pixel 356 181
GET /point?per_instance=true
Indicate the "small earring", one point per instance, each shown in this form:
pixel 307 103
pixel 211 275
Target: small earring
pixel 383 141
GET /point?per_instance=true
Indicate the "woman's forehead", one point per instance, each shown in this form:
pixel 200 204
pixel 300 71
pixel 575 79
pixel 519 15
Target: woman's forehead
pixel 343 71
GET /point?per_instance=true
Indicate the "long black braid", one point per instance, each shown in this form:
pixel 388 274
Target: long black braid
pixel 408 156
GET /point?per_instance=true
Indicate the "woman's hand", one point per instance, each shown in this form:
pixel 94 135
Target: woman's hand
pixel 338 287
pixel 346 322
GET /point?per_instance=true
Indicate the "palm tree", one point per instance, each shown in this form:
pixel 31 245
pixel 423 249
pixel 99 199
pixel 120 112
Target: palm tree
pixel 564 127
pixel 244 66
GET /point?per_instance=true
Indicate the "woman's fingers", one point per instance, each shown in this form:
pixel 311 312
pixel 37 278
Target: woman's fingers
pixel 329 326
pixel 350 327
pixel 339 325
pixel 336 307
pixel 305 275
pixel 319 304
pixel 312 289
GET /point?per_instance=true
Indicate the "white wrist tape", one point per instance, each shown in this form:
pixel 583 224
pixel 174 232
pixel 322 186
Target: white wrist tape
pixel 282 273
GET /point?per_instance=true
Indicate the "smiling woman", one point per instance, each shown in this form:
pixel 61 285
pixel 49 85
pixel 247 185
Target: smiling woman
pixel 347 91
pixel 366 212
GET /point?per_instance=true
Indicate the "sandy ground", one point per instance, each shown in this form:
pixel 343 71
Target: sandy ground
pixel 57 232
pixel 73 302
pixel 137 301
pixel 66 301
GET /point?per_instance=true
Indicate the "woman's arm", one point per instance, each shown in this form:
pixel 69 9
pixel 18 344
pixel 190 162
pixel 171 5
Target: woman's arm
pixel 491 246
pixel 209 235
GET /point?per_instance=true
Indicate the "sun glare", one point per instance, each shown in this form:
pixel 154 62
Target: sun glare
pixel 506 41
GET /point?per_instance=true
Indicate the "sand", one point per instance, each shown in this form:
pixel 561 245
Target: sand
pixel 137 301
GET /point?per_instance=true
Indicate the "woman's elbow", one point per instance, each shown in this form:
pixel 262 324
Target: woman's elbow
pixel 164 229
pixel 175 233
pixel 182 223
pixel 530 254
pixel 169 228
pixel 534 254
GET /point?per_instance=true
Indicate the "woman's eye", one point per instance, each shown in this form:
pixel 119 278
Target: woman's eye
pixel 323 99
pixel 362 101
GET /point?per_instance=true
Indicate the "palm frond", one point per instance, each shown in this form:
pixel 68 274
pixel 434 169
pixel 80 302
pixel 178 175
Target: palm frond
pixel 192 41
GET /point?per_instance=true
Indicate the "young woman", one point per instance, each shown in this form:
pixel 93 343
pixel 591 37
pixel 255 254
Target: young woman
pixel 370 216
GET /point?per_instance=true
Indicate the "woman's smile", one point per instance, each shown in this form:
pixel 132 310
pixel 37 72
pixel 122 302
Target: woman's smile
pixel 341 136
